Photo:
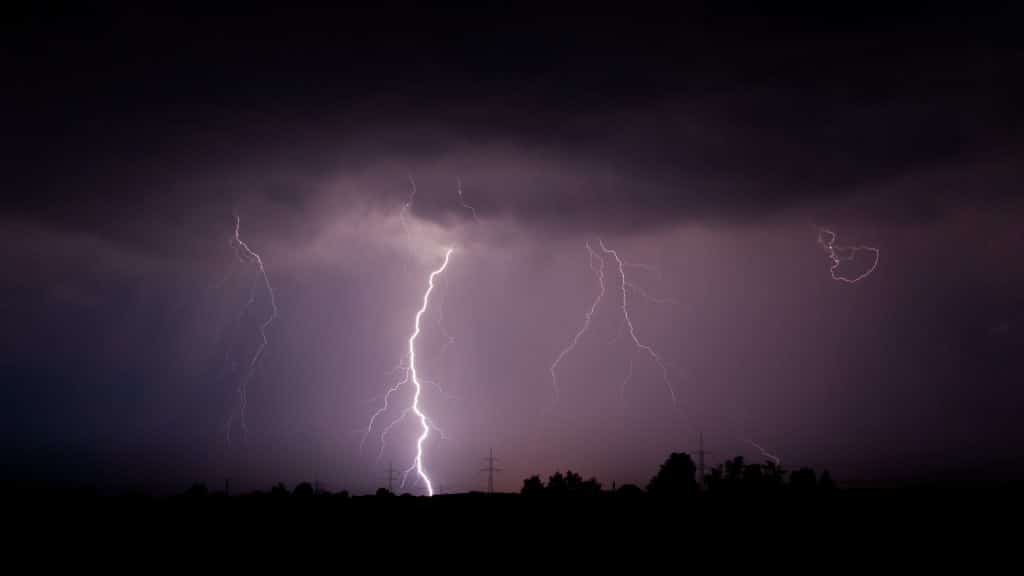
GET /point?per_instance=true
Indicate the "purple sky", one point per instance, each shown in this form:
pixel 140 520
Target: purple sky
pixel 127 330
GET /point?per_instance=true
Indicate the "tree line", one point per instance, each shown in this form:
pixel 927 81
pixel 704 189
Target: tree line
pixel 677 478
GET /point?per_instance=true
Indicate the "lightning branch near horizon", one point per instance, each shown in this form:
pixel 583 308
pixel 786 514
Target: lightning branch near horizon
pixel 765 453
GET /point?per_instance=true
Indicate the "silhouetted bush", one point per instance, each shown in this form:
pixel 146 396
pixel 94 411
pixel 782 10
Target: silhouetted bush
pixel 676 478
pixel 825 483
pixel 197 491
pixel 532 486
pixel 803 481
pixel 303 490
pixel 629 491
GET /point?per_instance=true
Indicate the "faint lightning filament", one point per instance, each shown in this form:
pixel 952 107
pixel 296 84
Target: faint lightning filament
pixel 597 266
pixel 462 201
pixel 765 453
pixel 629 322
pixel 839 254
pixel 587 317
pixel 247 255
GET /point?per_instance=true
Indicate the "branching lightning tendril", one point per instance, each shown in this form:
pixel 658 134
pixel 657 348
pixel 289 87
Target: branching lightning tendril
pixel 626 285
pixel 587 317
pixel 629 323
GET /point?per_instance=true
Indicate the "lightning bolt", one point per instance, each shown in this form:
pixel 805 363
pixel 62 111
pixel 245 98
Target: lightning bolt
pixel 412 375
pixel 626 285
pixel 765 453
pixel 247 255
pixel 587 317
pixel 462 201
pixel 838 254
pixel 404 368
pixel 629 323
pixel 404 212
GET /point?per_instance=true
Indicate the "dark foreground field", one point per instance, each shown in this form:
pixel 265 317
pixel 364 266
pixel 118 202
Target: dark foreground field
pixel 911 529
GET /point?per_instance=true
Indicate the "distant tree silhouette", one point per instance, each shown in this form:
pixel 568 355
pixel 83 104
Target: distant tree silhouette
pixel 557 485
pixel 736 475
pixel 532 486
pixel 383 493
pixel 573 482
pixel 303 490
pixel 675 478
pixel 279 490
pixel 734 470
pixel 825 482
pixel 629 491
pixel 753 477
pixel 197 491
pixel 773 475
pixel 590 487
pixel 715 480
pixel 803 480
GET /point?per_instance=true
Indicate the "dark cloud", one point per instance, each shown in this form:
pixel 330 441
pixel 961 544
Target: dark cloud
pixel 562 119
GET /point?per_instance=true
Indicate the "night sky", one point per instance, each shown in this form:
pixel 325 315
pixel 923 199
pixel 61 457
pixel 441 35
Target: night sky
pixel 706 146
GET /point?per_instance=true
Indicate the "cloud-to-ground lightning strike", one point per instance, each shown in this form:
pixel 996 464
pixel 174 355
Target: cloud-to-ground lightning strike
pixel 411 375
pixel 587 317
pixel 839 254
pixel 247 255
pixel 629 322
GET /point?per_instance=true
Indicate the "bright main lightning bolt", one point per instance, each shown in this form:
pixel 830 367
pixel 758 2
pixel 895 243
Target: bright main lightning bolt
pixel 246 254
pixel 839 254
pixel 587 317
pixel 629 323
pixel 411 375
